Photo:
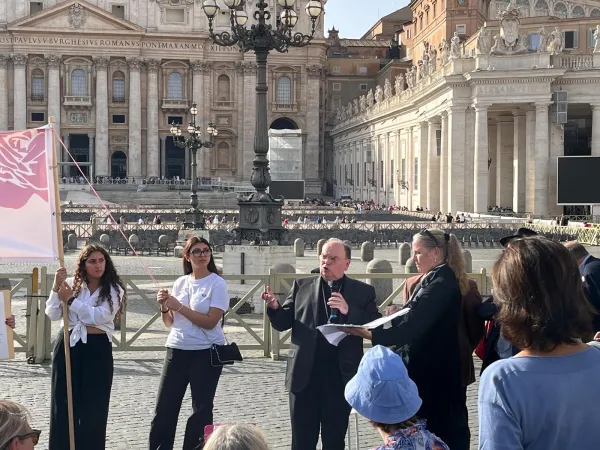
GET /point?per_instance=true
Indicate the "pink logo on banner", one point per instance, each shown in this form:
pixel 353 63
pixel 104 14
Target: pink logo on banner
pixel 23 167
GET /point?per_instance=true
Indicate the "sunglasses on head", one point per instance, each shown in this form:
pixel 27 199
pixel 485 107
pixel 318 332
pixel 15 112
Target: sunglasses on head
pixel 33 434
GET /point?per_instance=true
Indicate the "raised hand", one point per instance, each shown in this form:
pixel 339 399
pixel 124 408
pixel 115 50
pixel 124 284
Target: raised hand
pixel 65 293
pixel 270 299
pixel 391 310
pixel 10 321
pixel 59 278
pixel 338 301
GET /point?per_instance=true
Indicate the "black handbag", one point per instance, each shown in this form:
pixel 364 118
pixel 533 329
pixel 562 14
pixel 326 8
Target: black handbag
pixel 224 355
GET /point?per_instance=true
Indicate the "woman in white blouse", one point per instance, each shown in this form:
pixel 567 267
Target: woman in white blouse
pixel 95 295
pixel 194 312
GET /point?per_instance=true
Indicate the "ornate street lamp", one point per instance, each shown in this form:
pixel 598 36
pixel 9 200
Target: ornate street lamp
pixel 194 217
pixel 260 213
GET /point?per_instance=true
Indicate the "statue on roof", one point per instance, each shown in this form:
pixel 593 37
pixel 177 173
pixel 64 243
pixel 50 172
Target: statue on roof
pixel 387 89
pixel 544 39
pixel 484 41
pixel 378 94
pixel 444 51
pixel 432 60
pixel 455 50
pixel 399 83
pixel 557 44
pixel 362 103
pixel 355 107
pixel 370 98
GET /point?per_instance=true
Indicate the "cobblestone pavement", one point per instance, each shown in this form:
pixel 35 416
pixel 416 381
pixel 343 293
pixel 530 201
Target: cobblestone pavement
pixel 252 391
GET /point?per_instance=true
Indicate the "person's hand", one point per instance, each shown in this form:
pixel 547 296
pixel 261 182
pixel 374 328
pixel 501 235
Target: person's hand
pixel 65 293
pixel 597 336
pixel 361 332
pixel 10 321
pixel 338 302
pixel 162 295
pixel 270 299
pixel 172 303
pixel 59 277
pixel 391 310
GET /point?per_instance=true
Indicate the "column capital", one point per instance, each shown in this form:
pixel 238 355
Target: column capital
pixel 91 135
pixel 134 63
pixel 4 61
pixel 246 67
pixel 202 66
pixel 457 109
pixel 595 106
pixel 436 120
pixel 542 105
pixel 101 63
pixel 53 61
pixel 479 106
pixel 19 60
pixel 152 65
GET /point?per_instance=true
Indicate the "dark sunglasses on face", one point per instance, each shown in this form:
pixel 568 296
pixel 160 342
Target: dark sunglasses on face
pixel 33 434
pixel 198 252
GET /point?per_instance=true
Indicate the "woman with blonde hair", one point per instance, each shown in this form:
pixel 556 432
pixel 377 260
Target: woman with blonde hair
pixel 237 437
pixel 15 431
pixel 427 336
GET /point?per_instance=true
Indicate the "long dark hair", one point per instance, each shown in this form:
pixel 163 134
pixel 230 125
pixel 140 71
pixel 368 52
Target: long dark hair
pixel 109 279
pixel 187 266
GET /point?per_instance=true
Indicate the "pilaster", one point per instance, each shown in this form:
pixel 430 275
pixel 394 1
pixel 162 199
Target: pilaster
pixel 19 92
pixel 540 203
pixel 433 167
pixel 422 167
pixel 480 161
pixel 444 165
pixel 519 161
pixel 249 120
pixel 504 159
pixel 315 75
pixel 102 165
pixel 91 170
pixel 54 103
pixel 152 144
pixel 4 91
pixel 456 158
pixel 530 159
pixel 595 129
pixel 492 141
pixel 134 168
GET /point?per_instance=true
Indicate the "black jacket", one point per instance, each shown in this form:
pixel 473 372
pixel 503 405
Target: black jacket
pixel 300 313
pixel 591 284
pixel 427 340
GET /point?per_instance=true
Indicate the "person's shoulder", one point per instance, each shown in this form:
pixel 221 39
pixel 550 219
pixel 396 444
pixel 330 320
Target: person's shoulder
pixel 216 279
pixel 306 280
pixel 181 281
pixel 592 264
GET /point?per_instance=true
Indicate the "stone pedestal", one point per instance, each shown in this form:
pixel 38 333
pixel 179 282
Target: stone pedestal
pixel 184 235
pixel 257 259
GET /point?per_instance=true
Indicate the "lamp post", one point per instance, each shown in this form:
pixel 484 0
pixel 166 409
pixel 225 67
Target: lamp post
pixel 260 213
pixel 194 217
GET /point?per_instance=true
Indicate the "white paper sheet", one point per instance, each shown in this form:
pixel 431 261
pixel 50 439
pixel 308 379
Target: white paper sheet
pixel 4 354
pixel 334 336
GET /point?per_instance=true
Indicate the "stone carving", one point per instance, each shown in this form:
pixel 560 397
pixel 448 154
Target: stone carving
pixel 152 65
pixel 484 41
pixel 118 64
pixel 411 77
pixel 53 61
pixel 252 215
pixel 338 115
pixel 399 83
pixel 243 68
pixel 455 50
pixel 432 60
pixel 19 60
pixel 362 103
pixel 370 98
pixel 544 39
pixel 557 44
pixel 597 39
pixel 510 42
pixel 77 15
pixel 118 138
pixel 315 71
pixel 101 62
pixel 134 63
pixel 349 110
pixel 4 61
pixel 387 89
pixel 378 94
pixel 444 51
pixel 78 117
pixel 424 66
pixel 355 107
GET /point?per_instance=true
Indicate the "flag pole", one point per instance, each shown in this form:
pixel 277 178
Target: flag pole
pixel 65 306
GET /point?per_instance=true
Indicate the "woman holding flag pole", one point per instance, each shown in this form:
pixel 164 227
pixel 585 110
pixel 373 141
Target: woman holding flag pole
pixel 95 295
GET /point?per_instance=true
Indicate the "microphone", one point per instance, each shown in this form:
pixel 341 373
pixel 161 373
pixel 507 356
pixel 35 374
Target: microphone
pixel 335 287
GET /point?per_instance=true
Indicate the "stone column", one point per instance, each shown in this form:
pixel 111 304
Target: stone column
pixel 492 141
pixel 163 156
pixel 66 170
pixel 433 168
pixel 54 106
pixel 480 160
pixel 504 166
pixel 152 150
pixel 410 167
pixel 530 159
pixel 422 168
pixel 4 92
pixel 248 122
pixel 198 70
pixel 91 137
pixel 135 118
pixel 519 162
pixel 540 202
pixel 595 130
pixel 444 165
pixel 315 76
pixel 102 164
pixel 20 92
pixel 456 158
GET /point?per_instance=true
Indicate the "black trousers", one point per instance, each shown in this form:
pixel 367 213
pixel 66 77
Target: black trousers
pixel 92 376
pixel 321 406
pixel 183 367
pixel 456 434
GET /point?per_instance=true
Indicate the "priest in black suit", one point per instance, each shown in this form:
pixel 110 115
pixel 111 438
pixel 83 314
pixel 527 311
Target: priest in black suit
pixel 589 269
pixel 317 371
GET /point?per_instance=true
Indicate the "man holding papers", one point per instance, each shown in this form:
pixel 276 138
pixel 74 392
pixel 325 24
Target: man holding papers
pixel 317 370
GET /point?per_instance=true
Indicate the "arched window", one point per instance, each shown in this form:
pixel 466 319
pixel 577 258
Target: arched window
pixel 578 11
pixel 79 83
pixel 223 155
pixel 523 6
pixel 118 93
pixel 560 10
pixel 541 8
pixel 175 86
pixel 284 91
pixel 223 88
pixel 595 13
pixel 37 85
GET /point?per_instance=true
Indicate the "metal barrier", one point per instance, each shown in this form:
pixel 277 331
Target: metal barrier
pixel 37 343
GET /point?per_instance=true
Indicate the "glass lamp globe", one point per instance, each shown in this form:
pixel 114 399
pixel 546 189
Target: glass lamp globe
pixel 173 130
pixel 215 132
pixel 289 18
pixel 210 8
pixel 286 3
pixel 241 17
pixel 232 3
pixel 314 8
pixel 193 109
pixel 178 131
pixel 191 128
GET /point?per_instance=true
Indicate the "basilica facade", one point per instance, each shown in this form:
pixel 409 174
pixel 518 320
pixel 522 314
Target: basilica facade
pixel 481 117
pixel 114 76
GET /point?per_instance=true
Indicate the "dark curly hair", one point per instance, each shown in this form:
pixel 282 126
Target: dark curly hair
pixel 109 279
pixel 187 266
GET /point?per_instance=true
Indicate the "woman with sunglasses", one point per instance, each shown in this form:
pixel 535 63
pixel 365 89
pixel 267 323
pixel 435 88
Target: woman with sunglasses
pixel 427 337
pixel 194 311
pixel 15 431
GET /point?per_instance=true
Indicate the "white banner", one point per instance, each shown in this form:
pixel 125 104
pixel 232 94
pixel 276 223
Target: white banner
pixel 27 197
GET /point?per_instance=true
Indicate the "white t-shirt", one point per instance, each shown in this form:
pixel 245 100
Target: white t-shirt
pixel 205 293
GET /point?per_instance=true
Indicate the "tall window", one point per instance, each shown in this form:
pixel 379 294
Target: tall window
pixel 392 174
pixel 37 85
pixel 223 88
pixel 79 83
pixel 284 91
pixel 175 86
pixel 364 174
pixel 118 87
pixel 416 180
pixel 438 141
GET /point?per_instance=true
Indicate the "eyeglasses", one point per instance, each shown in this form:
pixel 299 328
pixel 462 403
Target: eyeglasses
pixel 198 252
pixel 33 434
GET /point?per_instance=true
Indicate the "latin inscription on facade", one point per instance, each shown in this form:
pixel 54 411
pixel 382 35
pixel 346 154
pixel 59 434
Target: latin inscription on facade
pixel 508 89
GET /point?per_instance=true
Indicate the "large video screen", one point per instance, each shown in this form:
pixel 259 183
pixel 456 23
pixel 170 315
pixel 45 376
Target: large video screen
pixel 578 180
pixel 290 189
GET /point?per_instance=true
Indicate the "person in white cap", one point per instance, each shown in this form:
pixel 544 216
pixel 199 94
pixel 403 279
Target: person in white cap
pixel 382 392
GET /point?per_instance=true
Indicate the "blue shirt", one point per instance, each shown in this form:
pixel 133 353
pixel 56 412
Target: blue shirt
pixel 541 403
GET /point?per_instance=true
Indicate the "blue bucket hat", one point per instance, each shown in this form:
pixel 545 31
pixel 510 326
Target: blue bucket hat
pixel 381 390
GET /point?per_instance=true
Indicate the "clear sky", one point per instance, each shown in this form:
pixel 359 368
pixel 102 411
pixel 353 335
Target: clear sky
pixel 354 17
